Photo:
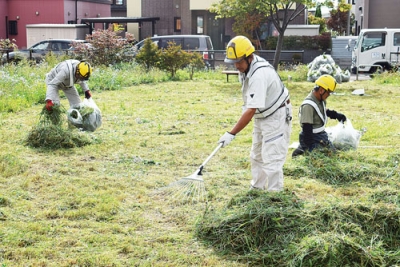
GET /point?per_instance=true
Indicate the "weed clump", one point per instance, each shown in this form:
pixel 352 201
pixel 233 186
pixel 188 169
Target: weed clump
pixel 52 131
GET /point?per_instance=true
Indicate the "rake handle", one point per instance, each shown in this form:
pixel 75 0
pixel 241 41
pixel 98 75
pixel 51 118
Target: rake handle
pixel 208 158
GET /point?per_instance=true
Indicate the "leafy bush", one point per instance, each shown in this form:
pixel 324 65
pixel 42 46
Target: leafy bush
pixel 7 44
pixel 105 47
pixel 170 59
pixel 173 58
pixel 148 55
pixel 195 63
pixel 313 20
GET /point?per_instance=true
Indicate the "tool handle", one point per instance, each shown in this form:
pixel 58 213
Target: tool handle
pixel 209 157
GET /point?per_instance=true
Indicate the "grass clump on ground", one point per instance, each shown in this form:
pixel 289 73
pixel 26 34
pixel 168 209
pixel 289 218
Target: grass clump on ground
pixel 276 229
pixel 52 131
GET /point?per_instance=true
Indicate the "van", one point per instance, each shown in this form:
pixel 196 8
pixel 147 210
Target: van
pixel 200 43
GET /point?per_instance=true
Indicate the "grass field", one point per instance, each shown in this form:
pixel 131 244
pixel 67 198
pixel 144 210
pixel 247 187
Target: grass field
pixel 98 205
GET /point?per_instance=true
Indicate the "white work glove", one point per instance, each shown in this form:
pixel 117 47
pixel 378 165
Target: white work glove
pixel 226 139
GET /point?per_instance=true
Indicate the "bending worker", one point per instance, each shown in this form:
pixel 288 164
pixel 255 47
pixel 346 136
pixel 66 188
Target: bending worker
pixel 266 99
pixel 314 116
pixel 63 77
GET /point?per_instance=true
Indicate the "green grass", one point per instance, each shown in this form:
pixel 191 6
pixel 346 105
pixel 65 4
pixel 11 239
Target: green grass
pixel 97 205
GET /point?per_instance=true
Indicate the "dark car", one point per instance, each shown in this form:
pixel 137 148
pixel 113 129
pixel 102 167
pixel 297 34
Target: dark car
pixel 200 43
pixel 38 51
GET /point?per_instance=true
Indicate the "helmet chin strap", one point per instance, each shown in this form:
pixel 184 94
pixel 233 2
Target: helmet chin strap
pixel 320 95
pixel 248 65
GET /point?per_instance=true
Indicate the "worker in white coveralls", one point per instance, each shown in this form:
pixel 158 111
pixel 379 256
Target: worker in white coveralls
pixel 266 99
pixel 314 116
pixel 63 77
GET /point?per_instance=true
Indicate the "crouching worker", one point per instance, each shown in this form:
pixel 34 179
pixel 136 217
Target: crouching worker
pixel 314 116
pixel 63 77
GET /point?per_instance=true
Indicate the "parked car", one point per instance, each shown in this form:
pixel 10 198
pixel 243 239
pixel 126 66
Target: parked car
pixel 39 50
pixel 200 43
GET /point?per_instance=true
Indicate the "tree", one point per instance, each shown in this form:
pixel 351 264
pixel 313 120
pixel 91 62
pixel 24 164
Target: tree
pixel 318 13
pixel 313 20
pixel 280 12
pixel 339 18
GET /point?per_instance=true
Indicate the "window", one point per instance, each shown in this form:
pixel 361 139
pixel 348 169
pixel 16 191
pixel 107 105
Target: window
pixel 372 40
pixel 396 39
pixel 191 43
pixel 41 46
pixel 164 43
pixel 200 26
pixel 177 24
pixel 12 27
pixel 119 2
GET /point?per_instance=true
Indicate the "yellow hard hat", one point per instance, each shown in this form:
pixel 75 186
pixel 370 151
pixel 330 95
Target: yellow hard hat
pixel 238 48
pixel 327 82
pixel 84 70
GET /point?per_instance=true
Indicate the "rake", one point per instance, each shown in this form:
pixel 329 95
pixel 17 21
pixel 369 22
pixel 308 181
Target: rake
pixel 189 189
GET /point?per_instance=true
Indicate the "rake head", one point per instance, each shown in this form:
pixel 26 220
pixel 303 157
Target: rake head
pixel 190 189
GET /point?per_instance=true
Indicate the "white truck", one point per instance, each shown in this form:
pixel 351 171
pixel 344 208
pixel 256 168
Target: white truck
pixel 375 49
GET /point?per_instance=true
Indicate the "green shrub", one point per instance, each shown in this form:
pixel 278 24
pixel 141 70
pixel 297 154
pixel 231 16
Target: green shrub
pixel 149 55
pixel 195 63
pixel 173 58
pixel 313 20
pixel 7 45
pixel 105 47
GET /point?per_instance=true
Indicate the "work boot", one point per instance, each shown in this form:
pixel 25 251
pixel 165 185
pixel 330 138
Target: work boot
pixel 297 152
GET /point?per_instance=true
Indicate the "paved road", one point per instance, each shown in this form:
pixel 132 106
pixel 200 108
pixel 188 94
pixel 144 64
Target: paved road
pixel 361 77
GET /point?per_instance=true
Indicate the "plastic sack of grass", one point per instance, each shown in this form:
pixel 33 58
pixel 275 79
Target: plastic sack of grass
pixel 86 117
pixel 343 136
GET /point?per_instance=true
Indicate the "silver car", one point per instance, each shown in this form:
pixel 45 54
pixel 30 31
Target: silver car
pixel 38 51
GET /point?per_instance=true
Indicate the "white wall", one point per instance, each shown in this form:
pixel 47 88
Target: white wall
pixel 302 30
pixel 134 10
pixel 201 4
pixel 39 32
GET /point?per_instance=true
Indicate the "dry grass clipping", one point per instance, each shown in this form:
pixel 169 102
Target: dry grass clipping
pixel 52 131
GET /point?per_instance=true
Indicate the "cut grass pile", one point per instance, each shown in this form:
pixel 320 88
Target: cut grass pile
pixel 52 131
pixel 282 229
pixel 279 229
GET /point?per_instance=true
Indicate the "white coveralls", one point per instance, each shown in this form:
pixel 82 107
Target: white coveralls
pixel 62 77
pixel 263 89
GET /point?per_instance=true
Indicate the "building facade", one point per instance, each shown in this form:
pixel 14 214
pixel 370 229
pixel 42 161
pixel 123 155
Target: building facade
pixel 16 14
pixel 181 17
pixel 374 14
pixel 188 17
